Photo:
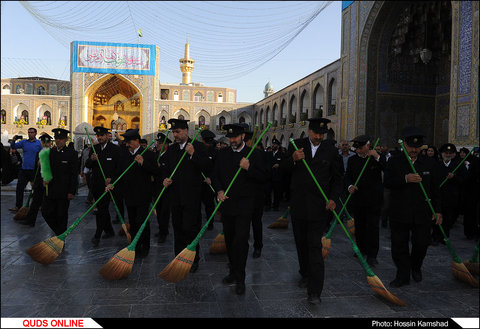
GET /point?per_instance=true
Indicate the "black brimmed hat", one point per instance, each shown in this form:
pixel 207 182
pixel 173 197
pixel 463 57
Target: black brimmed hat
pixel 413 136
pixel 178 123
pixel 234 130
pixel 131 134
pixel 318 125
pixel 361 140
pixel 60 133
pixel 100 130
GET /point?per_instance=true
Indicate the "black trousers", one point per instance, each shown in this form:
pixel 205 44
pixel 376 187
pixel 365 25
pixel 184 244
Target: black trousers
pixel 308 240
pixel 257 226
pixel 24 176
pixel 405 259
pixel 55 212
pixel 163 212
pixel 236 228
pixel 471 215
pixel 367 235
pixel 187 222
pixel 102 217
pixel 277 193
pixel 449 215
pixel 137 215
pixel 208 202
pixel 35 204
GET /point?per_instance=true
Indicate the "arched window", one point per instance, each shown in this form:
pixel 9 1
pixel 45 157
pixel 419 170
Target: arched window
pixel 41 90
pixel 47 116
pixel 221 122
pixel 24 116
pixel 181 117
pixel 274 113
pixel 318 101
pixel 241 120
pixel 304 106
pixel 332 97
pixel 201 120
pixel 198 97
pixel 3 116
pixel 293 110
pixel 283 112
pixel 6 90
pixel 63 90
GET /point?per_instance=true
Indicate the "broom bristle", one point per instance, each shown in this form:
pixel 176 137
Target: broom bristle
pixel 21 213
pixel 178 269
pixel 326 244
pixel 46 251
pixel 461 272
pixel 119 266
pixel 351 226
pixel 380 289
pixel 218 245
pixel 281 222
pixel 472 267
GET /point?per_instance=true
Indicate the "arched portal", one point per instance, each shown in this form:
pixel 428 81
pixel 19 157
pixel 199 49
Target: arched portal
pixel 114 101
pixel 408 71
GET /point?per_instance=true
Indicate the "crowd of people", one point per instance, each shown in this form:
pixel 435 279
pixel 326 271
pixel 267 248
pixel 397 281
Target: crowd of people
pixel 380 184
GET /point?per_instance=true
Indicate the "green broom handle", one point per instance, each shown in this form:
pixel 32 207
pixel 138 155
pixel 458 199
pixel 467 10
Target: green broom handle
pixel 74 225
pixel 105 178
pixel 133 244
pixel 447 241
pixel 458 166
pixel 214 198
pixel 344 204
pixel 355 248
pixel 163 145
pixel 192 246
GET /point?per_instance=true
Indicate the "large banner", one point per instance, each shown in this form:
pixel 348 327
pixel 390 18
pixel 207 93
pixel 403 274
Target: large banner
pixel 120 58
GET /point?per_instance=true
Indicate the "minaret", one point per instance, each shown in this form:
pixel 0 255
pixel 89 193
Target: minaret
pixel 186 65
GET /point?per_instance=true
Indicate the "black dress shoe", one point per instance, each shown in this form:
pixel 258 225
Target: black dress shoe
pixel 229 279
pixel 314 298
pixel 397 283
pixel 26 222
pixel 303 283
pixel 417 275
pixel 194 267
pixel 257 253
pixel 95 241
pixel 108 235
pixel 240 288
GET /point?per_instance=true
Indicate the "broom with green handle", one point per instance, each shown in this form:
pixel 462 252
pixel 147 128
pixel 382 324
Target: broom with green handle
pixel 23 211
pixel 458 166
pixel 372 279
pixel 47 251
pixel 179 268
pixel 326 240
pixel 459 269
pixel 472 263
pixel 121 264
pixel 124 226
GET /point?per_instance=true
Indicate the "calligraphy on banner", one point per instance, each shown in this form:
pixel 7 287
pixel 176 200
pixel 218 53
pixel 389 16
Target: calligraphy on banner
pixel 120 58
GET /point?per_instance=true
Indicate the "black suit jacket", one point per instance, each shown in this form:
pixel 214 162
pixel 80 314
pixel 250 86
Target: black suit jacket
pixel 407 201
pixel 109 160
pixel 187 180
pixel 63 164
pixel 136 185
pixel 244 189
pixel 370 187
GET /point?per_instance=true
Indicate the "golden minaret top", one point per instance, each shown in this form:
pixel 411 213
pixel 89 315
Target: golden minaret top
pixel 186 65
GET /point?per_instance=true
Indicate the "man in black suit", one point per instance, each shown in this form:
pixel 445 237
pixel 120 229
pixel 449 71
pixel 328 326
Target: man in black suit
pixel 208 197
pixel 108 155
pixel 307 206
pixel 450 192
pixel 367 196
pixel 162 207
pixel 136 186
pixel 185 187
pixel 61 189
pixel 238 205
pixel 409 213
pixel 276 158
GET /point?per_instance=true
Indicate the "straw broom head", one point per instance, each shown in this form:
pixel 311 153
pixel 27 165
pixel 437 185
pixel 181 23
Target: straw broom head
pixel 326 244
pixel 460 271
pixel 280 222
pixel 21 213
pixel 218 245
pixel 119 266
pixel 46 251
pixel 472 267
pixel 380 289
pixel 178 269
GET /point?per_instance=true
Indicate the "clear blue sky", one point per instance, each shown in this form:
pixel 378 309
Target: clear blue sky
pixel 315 47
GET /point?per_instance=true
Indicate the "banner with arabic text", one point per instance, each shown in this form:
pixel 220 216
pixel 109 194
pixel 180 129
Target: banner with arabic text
pixel 119 58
